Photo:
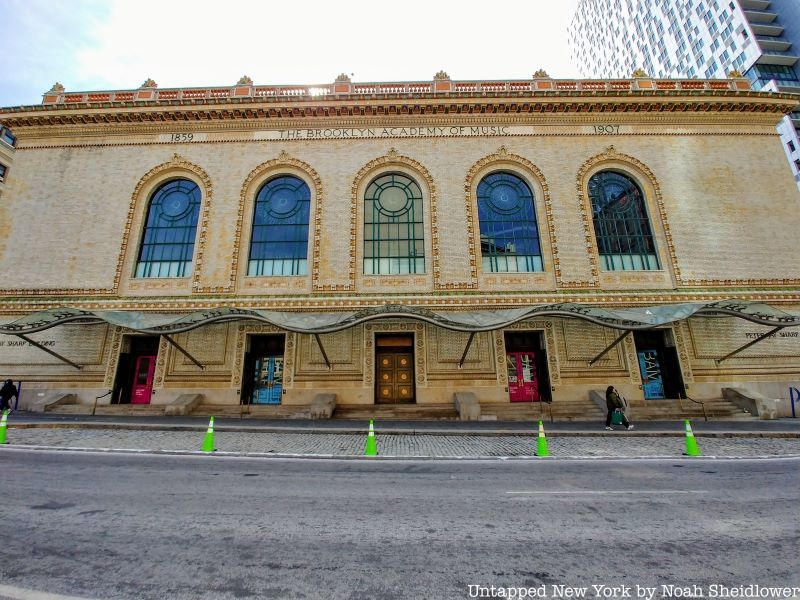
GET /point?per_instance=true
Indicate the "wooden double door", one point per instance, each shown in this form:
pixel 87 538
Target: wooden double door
pixel 394 358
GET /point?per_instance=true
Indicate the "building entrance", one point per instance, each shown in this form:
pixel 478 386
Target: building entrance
pixel 262 382
pixel 394 360
pixel 526 364
pixel 135 370
pixel 659 365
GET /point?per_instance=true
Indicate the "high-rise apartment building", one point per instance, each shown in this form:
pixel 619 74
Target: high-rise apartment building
pixel 694 38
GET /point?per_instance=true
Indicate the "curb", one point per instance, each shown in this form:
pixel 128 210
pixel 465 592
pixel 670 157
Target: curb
pixel 268 455
pixel 433 432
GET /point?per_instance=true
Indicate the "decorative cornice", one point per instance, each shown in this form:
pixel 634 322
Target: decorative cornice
pixel 455 103
pixel 454 301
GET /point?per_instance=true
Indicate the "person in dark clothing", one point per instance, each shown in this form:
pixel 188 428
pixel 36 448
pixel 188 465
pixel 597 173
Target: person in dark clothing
pixel 8 391
pixel 615 402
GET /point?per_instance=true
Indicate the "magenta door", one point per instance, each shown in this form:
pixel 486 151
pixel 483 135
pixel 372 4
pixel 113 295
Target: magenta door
pixel 143 380
pixel 523 385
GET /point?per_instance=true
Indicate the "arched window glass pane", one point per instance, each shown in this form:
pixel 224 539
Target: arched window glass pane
pixel 169 231
pixel 279 245
pixel 393 226
pixel 509 232
pixel 621 225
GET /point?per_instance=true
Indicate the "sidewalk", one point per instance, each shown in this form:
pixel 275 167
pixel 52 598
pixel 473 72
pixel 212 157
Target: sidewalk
pixel 754 428
pixel 428 439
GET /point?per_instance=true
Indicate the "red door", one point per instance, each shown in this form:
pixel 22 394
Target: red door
pixel 143 380
pixel 523 384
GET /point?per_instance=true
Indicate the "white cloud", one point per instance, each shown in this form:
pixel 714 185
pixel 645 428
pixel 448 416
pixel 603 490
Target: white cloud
pixel 183 43
pixel 117 44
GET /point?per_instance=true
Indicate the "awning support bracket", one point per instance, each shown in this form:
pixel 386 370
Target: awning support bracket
pixel 466 350
pixel 322 350
pixel 52 353
pixel 180 349
pixel 748 344
pixel 609 347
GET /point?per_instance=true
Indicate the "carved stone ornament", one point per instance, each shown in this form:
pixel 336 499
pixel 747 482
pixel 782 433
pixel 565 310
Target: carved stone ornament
pixel 148 83
pixel 541 74
pixel 56 89
pixel 441 75
pixel 343 78
pixel 640 73
pixel 244 80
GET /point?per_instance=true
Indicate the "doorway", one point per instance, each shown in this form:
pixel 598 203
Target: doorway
pixel 659 365
pixel 262 381
pixel 136 368
pixel 526 364
pixel 394 360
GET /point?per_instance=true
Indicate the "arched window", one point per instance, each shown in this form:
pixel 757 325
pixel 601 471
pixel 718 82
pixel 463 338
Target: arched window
pixel 624 238
pixel 169 231
pixel 509 232
pixel 279 245
pixel 393 226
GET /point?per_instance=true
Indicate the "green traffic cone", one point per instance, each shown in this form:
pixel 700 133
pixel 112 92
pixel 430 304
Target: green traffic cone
pixel 541 442
pixel 208 441
pixel 692 449
pixel 3 426
pixel 371 449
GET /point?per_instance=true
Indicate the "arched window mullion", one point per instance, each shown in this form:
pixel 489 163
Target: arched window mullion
pixel 168 238
pixel 622 227
pixel 509 235
pixel 279 239
pixel 393 235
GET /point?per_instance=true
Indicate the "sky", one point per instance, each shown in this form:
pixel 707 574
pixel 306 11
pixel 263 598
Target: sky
pixel 116 44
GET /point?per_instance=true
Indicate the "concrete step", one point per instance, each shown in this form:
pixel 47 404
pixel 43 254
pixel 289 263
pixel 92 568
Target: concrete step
pixel 396 411
pixel 70 409
pixel 673 409
pixel 263 411
pixel 130 410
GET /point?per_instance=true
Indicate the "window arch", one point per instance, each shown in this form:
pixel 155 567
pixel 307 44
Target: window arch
pixel 279 243
pixel 509 232
pixel 169 231
pixel 621 225
pixel 394 242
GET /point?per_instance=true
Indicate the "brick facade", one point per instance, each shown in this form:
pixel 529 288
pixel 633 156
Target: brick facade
pixel 722 206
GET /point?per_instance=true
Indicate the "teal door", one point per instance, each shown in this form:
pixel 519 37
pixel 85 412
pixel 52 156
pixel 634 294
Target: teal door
pixel 652 379
pixel 268 380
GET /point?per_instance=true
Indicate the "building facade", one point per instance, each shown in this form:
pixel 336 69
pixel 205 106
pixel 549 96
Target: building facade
pixel 694 38
pixel 400 242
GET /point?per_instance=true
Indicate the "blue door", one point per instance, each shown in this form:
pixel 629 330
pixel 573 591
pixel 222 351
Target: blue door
pixel 268 380
pixel 652 380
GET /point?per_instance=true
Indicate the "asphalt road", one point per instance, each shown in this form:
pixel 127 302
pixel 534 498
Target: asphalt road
pixel 121 526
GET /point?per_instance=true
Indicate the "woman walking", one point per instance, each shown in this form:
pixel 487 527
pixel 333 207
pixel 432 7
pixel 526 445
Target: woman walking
pixel 615 402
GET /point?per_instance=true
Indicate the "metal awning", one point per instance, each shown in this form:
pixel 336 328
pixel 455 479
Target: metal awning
pixel 623 319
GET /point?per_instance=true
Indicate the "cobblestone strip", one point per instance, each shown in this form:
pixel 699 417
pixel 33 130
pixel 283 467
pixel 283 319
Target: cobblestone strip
pixel 400 445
